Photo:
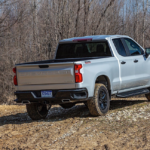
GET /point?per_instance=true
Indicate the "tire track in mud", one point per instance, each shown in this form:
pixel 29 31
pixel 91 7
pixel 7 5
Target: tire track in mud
pixel 127 126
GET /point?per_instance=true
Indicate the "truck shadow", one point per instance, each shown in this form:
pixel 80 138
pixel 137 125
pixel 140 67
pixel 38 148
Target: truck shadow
pixel 59 114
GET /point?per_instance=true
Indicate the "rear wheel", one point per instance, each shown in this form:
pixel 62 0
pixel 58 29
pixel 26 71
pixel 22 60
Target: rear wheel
pixel 37 111
pixel 100 103
pixel 67 106
pixel 148 96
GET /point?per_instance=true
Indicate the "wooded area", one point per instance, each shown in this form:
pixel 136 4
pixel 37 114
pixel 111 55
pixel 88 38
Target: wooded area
pixel 31 29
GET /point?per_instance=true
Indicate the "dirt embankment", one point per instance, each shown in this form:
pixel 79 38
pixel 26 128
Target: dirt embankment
pixel 127 126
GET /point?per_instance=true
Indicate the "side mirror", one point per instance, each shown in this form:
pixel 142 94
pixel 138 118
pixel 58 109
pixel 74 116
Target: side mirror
pixel 147 52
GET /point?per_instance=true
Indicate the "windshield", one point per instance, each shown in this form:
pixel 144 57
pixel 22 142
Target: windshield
pixel 80 50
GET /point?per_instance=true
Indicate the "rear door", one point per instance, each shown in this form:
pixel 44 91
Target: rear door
pixel 126 65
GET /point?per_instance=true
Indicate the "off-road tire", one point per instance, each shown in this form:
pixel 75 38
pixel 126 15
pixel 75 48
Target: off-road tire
pixel 67 106
pixel 93 104
pixel 36 114
pixel 85 103
pixel 148 96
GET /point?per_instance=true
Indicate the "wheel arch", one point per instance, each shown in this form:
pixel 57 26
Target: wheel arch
pixel 104 79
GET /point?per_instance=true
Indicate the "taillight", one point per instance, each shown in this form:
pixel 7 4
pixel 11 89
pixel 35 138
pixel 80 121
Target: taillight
pixel 15 80
pixel 15 77
pixel 14 70
pixel 78 75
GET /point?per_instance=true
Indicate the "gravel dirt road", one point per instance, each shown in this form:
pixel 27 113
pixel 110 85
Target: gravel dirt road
pixel 127 126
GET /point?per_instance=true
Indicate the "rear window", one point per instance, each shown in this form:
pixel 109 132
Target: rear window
pixel 78 50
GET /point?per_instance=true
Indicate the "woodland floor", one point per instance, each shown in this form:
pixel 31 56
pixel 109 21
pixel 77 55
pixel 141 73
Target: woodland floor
pixel 126 127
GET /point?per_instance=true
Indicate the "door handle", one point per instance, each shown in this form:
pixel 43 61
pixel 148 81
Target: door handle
pixel 136 61
pixel 123 62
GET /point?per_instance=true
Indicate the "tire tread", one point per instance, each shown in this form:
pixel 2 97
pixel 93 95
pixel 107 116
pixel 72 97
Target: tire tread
pixel 93 103
pixel 33 113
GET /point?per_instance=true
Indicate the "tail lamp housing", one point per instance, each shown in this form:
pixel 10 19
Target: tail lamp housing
pixel 78 74
pixel 15 77
pixel 14 70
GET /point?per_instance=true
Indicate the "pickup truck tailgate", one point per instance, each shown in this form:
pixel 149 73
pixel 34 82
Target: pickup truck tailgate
pixel 46 76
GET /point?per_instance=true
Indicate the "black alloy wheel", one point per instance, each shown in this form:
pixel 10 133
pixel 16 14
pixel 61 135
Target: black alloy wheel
pixel 103 100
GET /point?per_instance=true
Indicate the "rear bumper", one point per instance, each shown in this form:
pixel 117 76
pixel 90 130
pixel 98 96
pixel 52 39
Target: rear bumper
pixel 59 96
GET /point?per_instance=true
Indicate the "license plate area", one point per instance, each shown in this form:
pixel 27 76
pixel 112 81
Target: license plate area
pixel 46 94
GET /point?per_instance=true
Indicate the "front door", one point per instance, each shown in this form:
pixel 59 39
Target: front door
pixel 142 76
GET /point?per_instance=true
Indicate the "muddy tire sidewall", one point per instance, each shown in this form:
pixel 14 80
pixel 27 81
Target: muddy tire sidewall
pixel 36 114
pixel 93 104
pixel 147 96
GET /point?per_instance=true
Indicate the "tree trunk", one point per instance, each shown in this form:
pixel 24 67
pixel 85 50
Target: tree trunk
pixel 144 20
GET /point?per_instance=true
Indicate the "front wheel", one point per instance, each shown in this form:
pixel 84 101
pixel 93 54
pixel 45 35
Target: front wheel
pixel 148 96
pixel 37 111
pixel 100 103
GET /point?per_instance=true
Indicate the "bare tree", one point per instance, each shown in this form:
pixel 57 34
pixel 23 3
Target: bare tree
pixel 77 19
pixel 103 13
pixel 31 29
pixel 144 20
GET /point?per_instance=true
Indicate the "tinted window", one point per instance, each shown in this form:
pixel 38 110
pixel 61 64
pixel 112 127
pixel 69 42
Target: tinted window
pixel 134 49
pixel 119 46
pixel 77 50
pixel 148 50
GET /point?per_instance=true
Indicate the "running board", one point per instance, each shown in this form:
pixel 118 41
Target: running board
pixel 132 93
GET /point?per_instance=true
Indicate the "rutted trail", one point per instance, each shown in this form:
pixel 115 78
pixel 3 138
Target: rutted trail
pixel 127 126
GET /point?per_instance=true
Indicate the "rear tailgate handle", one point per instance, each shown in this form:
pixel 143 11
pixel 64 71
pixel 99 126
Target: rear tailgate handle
pixel 43 66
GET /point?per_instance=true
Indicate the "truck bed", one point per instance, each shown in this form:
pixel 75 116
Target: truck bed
pixel 61 60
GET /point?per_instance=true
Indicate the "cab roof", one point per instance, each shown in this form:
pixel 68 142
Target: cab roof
pixel 93 37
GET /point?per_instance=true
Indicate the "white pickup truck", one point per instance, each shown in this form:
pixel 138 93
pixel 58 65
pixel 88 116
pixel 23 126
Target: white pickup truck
pixel 85 70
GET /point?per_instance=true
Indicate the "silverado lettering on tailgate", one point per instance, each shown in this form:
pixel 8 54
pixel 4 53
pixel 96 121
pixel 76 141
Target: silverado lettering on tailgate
pixel 44 73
